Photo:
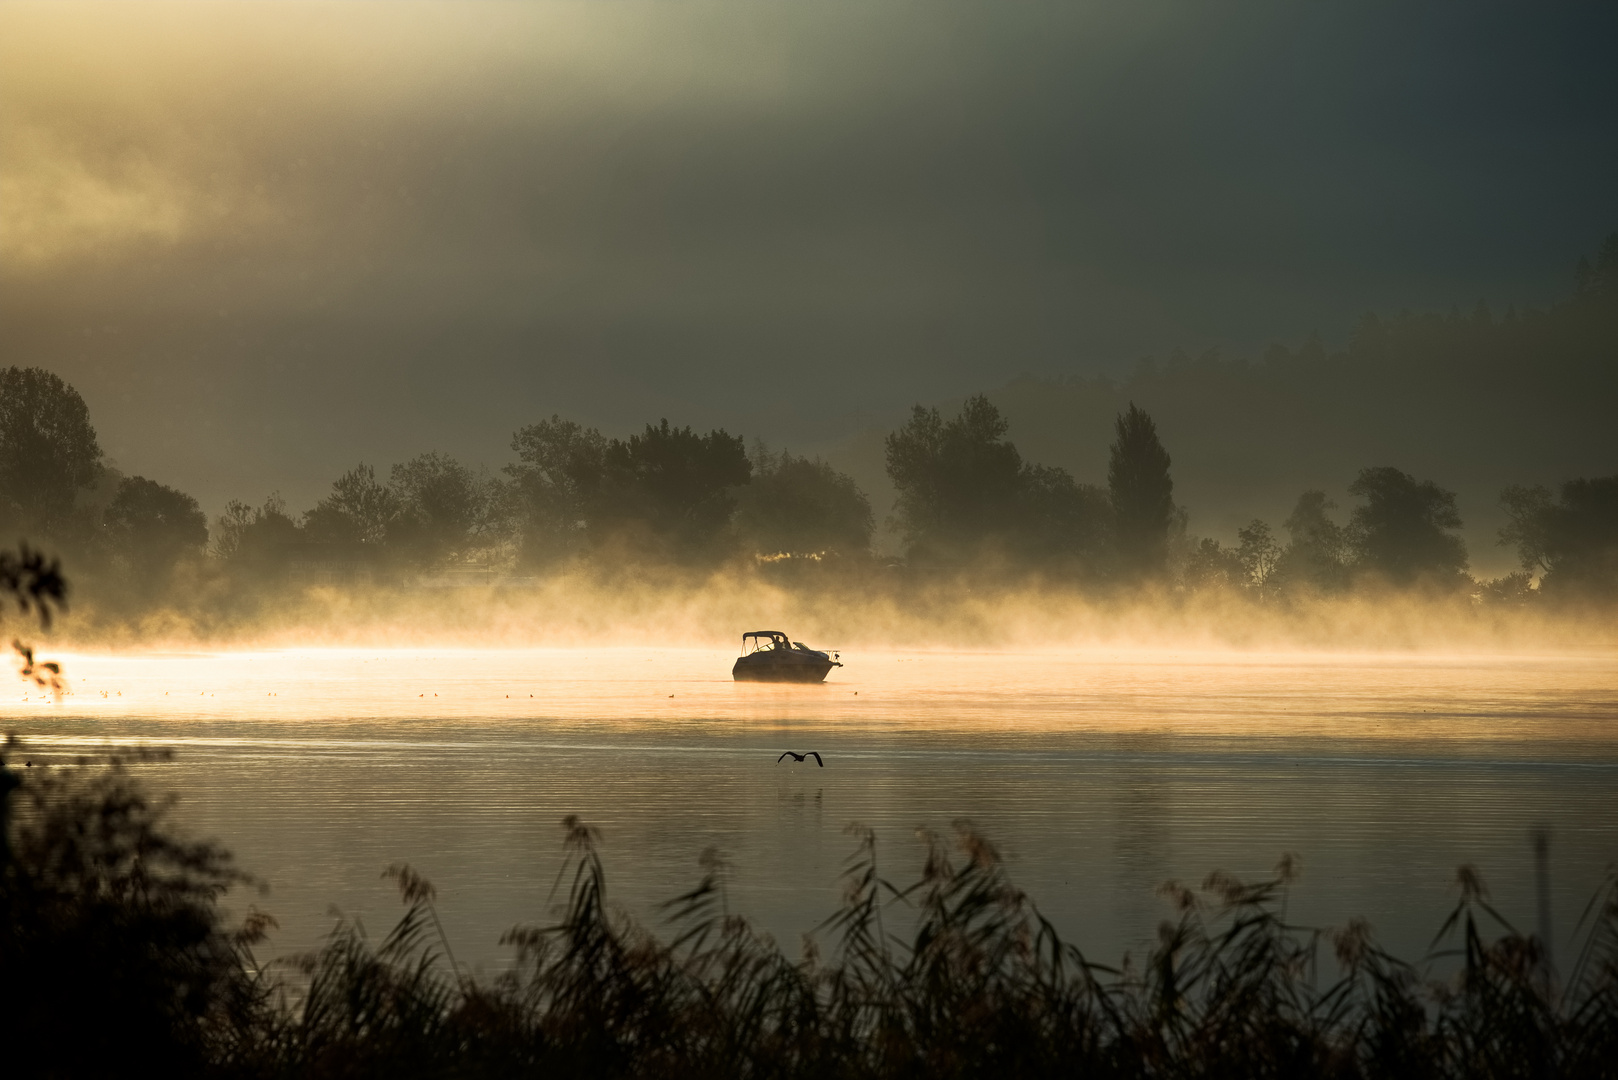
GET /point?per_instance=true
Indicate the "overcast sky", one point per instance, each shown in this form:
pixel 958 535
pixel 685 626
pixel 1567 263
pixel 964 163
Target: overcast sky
pixel 266 241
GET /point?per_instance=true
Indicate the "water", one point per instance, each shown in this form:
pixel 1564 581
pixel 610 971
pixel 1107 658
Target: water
pixel 1099 775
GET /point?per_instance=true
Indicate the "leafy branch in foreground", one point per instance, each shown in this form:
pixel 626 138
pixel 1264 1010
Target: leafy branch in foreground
pixel 37 587
pixel 33 582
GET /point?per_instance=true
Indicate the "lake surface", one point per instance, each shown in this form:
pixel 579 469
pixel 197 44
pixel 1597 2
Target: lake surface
pixel 1099 774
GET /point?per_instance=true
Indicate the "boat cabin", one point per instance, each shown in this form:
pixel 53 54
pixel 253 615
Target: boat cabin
pixel 764 641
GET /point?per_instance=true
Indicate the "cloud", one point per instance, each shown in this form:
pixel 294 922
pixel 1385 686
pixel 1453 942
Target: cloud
pixel 606 158
pixel 63 206
pixel 363 224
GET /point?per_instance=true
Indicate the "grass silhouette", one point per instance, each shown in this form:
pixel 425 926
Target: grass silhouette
pixel 114 955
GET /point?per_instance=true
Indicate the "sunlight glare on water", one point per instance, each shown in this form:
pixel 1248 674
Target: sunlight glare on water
pixel 1098 773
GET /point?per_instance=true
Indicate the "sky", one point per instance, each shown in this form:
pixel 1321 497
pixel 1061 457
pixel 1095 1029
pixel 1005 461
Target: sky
pixel 266 241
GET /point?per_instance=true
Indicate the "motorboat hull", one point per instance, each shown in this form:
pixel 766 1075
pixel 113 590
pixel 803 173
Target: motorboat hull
pixel 787 667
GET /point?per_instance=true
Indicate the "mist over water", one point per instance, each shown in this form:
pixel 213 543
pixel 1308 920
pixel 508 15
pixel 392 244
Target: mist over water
pixel 1100 771
pixel 1191 429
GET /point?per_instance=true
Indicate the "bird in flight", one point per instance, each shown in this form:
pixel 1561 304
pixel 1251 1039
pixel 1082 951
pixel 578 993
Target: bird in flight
pixel 800 757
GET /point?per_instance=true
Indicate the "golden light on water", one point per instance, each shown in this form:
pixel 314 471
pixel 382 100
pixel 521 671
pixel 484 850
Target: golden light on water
pixel 1201 692
pixel 318 766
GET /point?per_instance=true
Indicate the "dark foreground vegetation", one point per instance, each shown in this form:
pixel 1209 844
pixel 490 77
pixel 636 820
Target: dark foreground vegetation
pixel 114 954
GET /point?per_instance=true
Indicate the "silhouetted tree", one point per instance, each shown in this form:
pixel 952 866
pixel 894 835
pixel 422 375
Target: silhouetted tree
pixel 958 481
pixel 153 527
pixel 1316 555
pixel 1213 566
pixel 1259 554
pixel 965 495
pixel 671 491
pixel 557 484
pixel 1599 279
pixel 444 508
pixel 1403 530
pixel 1142 494
pixel 795 505
pixel 1527 512
pixel 48 450
pixel 248 534
pixel 1572 542
pixel 360 509
pixel 1512 590
pixel 1062 524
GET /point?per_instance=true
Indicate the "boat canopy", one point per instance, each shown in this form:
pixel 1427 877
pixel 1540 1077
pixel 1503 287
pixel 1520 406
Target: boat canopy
pixel 763 641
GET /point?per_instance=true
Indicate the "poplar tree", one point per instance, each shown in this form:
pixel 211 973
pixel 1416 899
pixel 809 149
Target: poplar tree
pixel 1142 495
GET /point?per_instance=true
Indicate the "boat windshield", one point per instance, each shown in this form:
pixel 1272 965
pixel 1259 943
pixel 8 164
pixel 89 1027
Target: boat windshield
pixel 764 641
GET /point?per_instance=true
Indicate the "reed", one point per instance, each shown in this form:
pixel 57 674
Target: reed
pixel 114 953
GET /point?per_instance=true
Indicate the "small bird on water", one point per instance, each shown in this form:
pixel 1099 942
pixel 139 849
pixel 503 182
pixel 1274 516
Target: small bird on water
pixel 800 757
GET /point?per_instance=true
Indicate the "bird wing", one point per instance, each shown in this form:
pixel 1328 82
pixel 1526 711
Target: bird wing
pixel 816 755
pixel 783 757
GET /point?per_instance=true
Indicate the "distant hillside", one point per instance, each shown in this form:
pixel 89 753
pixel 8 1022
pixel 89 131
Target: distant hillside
pixel 1474 402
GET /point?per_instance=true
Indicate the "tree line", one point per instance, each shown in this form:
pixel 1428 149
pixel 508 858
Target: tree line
pixel 1474 399
pixel 665 495
pixel 966 496
pixel 968 501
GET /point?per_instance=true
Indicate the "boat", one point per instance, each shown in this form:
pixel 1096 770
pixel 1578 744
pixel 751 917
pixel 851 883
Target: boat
pixel 768 656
